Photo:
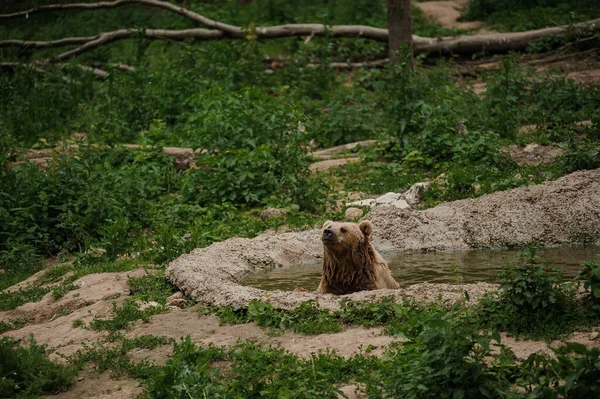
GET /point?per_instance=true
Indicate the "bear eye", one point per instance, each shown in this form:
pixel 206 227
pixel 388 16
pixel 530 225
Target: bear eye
pixel 343 230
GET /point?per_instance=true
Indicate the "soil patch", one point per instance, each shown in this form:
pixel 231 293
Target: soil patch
pixel 93 288
pixel 206 330
pixel 533 154
pixel 91 385
pixel 447 13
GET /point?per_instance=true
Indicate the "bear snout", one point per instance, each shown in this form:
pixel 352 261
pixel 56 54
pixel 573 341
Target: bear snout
pixel 328 236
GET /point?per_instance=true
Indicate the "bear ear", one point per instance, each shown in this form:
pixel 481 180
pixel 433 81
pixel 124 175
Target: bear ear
pixel 327 223
pixel 366 227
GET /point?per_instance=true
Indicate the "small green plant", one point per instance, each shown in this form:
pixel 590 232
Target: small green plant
pixel 12 324
pixel 78 323
pixel 571 373
pixel 529 287
pixel 129 312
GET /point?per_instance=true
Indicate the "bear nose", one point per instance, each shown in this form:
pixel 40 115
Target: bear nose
pixel 327 232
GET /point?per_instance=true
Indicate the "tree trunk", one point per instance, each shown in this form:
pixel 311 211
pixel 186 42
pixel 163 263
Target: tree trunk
pixel 400 29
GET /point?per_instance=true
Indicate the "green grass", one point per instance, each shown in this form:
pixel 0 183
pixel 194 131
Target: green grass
pixel 13 299
pixel 114 358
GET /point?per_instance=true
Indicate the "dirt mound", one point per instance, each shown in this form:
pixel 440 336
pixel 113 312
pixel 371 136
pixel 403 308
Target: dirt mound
pixel 51 321
pixel 560 212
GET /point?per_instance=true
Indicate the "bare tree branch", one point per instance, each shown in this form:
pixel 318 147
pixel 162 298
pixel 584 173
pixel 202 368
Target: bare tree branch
pixel 351 65
pixel 497 42
pixel 102 74
pixel 42 44
pixel 231 30
pixel 121 66
pixel 107 37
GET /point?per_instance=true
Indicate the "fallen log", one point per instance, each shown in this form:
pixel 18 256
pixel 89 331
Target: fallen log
pixel 461 45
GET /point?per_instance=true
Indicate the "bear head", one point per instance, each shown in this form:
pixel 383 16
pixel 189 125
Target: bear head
pixel 340 236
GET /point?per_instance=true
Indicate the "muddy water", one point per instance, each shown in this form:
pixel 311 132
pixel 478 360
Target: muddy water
pixel 433 267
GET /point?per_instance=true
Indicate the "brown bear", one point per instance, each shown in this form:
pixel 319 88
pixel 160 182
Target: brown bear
pixel 350 263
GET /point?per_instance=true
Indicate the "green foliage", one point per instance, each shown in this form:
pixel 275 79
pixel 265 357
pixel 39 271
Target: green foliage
pixel 248 370
pixel 151 287
pixel 522 15
pixel 62 289
pixel 9 325
pixel 124 315
pixel 533 301
pixel 54 274
pixel 426 112
pixel 13 299
pixel 27 372
pixel 447 359
pixel 371 314
pixel 307 318
pixel 56 104
pixel 115 359
pixel 580 156
pixel 529 287
pixel 590 276
pixel 562 375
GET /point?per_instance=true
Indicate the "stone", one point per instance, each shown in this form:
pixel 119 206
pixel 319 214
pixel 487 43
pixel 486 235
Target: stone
pixel 413 195
pixel 387 198
pixel 370 202
pixel 353 213
pixel 401 204
pixel 273 213
pixel 176 300
pixel 145 305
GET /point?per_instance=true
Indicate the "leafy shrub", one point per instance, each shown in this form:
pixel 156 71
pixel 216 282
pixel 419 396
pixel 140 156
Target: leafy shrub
pixel 27 372
pixel 151 287
pixel 41 109
pixel 533 301
pixel 563 375
pixel 446 359
pixel 590 276
pixel 427 115
pixel 249 370
pixel 580 156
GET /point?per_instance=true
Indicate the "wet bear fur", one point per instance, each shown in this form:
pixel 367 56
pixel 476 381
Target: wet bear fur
pixel 350 263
